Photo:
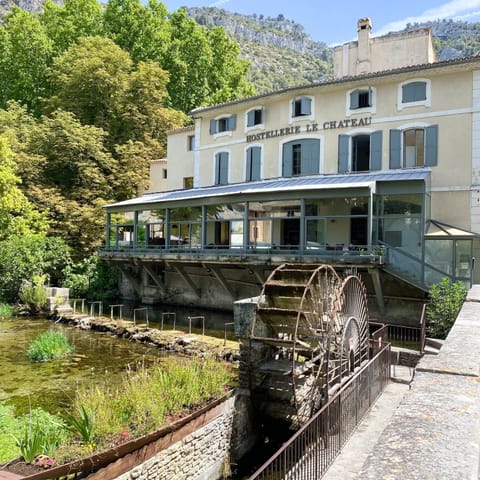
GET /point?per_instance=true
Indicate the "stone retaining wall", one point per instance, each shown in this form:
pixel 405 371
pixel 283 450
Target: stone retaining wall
pixel 202 450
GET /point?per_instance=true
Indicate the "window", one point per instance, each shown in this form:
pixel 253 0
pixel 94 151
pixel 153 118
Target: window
pixel 164 173
pixel 221 168
pixel 224 124
pixel 255 117
pixel 253 166
pixel 414 93
pixel 301 157
pixel 187 182
pixel 360 98
pixel 360 153
pixel 414 147
pixel 301 107
pixel 191 143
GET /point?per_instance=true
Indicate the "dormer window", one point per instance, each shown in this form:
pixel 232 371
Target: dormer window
pixel 301 107
pixel 255 117
pixel 223 124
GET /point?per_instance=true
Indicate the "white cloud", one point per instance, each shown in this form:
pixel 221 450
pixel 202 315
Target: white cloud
pixel 219 3
pixel 455 9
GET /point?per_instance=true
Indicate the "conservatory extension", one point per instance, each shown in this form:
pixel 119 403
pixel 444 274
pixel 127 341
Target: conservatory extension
pixel 380 218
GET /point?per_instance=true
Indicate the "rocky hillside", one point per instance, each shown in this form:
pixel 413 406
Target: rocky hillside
pixel 280 51
pixel 282 54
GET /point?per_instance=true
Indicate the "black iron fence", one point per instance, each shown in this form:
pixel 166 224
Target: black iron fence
pixel 313 448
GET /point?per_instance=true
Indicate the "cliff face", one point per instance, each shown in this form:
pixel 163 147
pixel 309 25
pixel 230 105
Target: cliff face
pixel 29 5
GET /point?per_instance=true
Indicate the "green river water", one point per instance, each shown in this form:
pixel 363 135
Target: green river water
pixel 98 358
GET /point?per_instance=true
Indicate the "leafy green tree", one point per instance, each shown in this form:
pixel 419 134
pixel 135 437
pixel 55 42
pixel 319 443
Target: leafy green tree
pixel 65 24
pixel 26 54
pixel 141 30
pixel 203 65
pixel 24 257
pixel 75 181
pixel 88 80
pixel 17 214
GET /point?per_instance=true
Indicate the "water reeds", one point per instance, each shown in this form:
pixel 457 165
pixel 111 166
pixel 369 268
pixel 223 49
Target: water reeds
pixel 49 346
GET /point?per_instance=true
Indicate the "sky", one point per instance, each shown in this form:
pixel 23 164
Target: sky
pixel 335 22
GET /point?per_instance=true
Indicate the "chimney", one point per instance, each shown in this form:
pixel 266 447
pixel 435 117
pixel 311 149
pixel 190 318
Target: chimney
pixel 364 34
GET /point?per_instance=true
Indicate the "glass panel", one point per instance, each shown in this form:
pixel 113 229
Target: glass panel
pixel 236 233
pixel 226 211
pixel 151 216
pixel 463 258
pixel 402 231
pixel 125 235
pixel 185 213
pixel 337 206
pixel 156 234
pixel 315 233
pixel 439 254
pixel 260 235
pixel 141 236
pixel 400 204
pixel 280 209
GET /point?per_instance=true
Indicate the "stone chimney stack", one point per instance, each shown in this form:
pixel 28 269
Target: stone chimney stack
pixel 364 45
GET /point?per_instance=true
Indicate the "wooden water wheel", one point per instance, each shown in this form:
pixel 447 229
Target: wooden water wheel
pixel 312 328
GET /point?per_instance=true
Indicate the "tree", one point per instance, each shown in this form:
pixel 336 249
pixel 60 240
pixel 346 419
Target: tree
pixel 141 30
pixel 203 65
pixel 65 24
pixel 24 257
pixel 26 54
pixel 17 214
pixel 88 80
pixel 76 179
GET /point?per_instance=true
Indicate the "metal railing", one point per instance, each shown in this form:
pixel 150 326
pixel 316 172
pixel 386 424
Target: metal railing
pixel 313 448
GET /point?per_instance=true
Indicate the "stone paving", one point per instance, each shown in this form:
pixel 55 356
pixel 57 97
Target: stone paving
pixel 434 433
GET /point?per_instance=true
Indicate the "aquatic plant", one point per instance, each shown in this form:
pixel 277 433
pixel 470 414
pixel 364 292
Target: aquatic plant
pixel 83 424
pixel 49 346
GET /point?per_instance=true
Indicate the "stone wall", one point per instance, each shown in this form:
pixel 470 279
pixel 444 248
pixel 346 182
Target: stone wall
pixel 203 454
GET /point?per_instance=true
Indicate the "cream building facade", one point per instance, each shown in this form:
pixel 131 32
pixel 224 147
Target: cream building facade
pixel 379 166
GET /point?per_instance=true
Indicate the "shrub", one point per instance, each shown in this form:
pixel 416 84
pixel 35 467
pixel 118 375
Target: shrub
pixel 446 300
pixel 33 294
pixel 49 346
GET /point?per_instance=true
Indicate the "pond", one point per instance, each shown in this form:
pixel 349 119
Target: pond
pixel 51 385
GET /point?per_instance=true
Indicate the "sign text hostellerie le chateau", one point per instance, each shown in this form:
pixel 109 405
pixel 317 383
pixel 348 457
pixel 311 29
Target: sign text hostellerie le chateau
pixel 309 128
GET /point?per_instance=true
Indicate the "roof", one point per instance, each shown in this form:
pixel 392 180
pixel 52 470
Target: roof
pixel 338 81
pixel 438 229
pixel 288 184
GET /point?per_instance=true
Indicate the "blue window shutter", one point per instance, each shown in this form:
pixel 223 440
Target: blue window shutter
pixel 306 106
pixel 223 168
pixel 310 157
pixel 251 118
pixel 376 150
pixel 354 99
pixel 248 169
pixel 256 163
pixel 287 160
pixel 395 148
pixel 232 122
pixel 213 127
pixel 414 92
pixel 431 145
pixel 343 144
